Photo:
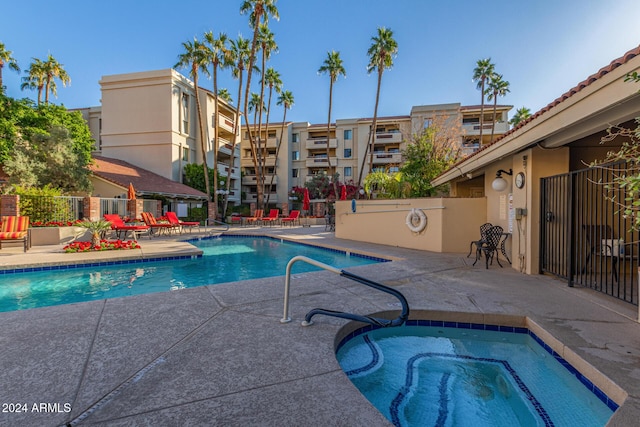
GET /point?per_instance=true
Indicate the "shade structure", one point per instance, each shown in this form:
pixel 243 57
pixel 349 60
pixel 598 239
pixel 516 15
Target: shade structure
pixel 131 193
pixel 306 202
pixel 343 193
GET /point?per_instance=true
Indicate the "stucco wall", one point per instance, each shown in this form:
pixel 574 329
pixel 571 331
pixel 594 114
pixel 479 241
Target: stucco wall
pixel 451 222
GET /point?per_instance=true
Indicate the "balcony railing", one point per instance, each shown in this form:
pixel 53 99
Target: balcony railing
pixel 474 128
pixel 321 161
pixel 252 179
pixel 386 158
pixel 318 143
pixel 388 137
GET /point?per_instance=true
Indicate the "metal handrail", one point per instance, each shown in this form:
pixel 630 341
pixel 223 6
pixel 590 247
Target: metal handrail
pixel 208 221
pixel 365 319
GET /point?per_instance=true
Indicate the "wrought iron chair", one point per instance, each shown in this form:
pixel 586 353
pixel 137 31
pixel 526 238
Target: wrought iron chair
pixel 490 246
pixel 483 230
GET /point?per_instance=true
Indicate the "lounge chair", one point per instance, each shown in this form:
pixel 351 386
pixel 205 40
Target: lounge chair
pixel 15 229
pixel 257 216
pixel 274 215
pixel 120 227
pixel 294 216
pixel 173 219
pixel 159 227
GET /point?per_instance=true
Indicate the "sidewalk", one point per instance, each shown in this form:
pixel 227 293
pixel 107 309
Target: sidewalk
pixel 218 355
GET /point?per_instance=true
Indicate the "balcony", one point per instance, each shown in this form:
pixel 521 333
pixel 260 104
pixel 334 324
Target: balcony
pixel 253 197
pixel 388 137
pixel 223 170
pixel 247 161
pixel 474 128
pixel 225 123
pixel 321 162
pixel 320 143
pixel 252 180
pixel 382 158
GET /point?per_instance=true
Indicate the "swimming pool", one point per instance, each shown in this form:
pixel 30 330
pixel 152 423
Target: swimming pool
pixel 476 375
pixel 224 259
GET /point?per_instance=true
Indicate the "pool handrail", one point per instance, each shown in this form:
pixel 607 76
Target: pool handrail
pixel 207 223
pixel 357 317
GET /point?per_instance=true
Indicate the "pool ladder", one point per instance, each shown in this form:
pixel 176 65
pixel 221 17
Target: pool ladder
pixel 365 319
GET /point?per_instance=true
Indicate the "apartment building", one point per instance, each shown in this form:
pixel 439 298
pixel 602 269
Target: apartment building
pixel 149 120
pixel 303 153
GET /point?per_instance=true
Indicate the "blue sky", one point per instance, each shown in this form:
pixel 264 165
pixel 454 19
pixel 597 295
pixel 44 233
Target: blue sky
pixel 543 47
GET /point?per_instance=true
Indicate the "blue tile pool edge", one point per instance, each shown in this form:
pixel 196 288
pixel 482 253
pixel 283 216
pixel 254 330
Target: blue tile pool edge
pixel 280 239
pixel 496 328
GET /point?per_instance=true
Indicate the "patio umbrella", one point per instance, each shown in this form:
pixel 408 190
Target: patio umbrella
pixel 343 193
pixel 306 202
pixel 131 194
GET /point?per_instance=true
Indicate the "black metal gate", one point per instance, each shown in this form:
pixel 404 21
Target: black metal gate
pixel 585 237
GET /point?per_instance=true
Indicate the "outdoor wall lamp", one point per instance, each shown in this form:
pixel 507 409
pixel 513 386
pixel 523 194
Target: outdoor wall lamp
pixel 499 183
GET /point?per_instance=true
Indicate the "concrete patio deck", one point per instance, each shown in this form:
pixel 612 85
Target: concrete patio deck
pixel 219 356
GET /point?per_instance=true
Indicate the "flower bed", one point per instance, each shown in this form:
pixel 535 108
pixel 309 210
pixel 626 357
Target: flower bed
pixel 105 245
pixel 39 224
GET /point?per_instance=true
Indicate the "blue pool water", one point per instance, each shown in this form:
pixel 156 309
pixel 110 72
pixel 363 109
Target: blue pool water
pixel 225 259
pixel 441 376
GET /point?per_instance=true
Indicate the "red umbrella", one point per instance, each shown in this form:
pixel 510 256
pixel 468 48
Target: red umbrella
pixel 131 194
pixel 343 193
pixel 305 200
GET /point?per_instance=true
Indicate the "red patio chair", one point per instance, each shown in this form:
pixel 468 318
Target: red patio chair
pixel 15 229
pixel 159 227
pixel 174 220
pixel 294 216
pixel 120 227
pixel 274 215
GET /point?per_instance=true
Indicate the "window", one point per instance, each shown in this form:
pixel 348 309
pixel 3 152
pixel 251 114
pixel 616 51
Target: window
pixel 394 169
pixel 185 113
pixel 347 153
pixel 347 171
pixel 427 123
pixel 347 134
pixel 272 134
pixel 185 154
pixel 294 137
pixel 295 155
pixel 294 173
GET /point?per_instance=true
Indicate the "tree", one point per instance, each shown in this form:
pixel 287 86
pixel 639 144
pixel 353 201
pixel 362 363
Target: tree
pixel 219 57
pixel 239 53
pixel 286 100
pixel 53 70
pixel 48 159
pixel 35 79
pixel 381 53
pixel 259 11
pixel 195 58
pixel 521 114
pixel 333 66
pixel 429 153
pixel 483 71
pixel 225 95
pixel 6 57
pixel 272 79
pixel 497 87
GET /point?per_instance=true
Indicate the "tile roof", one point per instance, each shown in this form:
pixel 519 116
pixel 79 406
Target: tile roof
pixel 583 84
pixel 122 173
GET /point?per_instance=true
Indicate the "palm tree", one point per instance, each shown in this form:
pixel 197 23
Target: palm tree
pixel 381 53
pixel 35 79
pixel 239 53
pixel 219 57
pixel 267 46
pixel 272 79
pixel 259 11
pixel 483 71
pixel 6 57
pixel 497 87
pixel 225 95
pixel 196 59
pixel 286 100
pixel 521 114
pixel 53 70
pixel 332 65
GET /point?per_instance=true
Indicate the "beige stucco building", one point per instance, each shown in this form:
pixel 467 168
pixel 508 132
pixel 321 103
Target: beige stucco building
pixel 303 146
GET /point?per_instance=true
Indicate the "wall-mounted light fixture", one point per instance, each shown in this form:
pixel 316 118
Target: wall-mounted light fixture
pixel 499 183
